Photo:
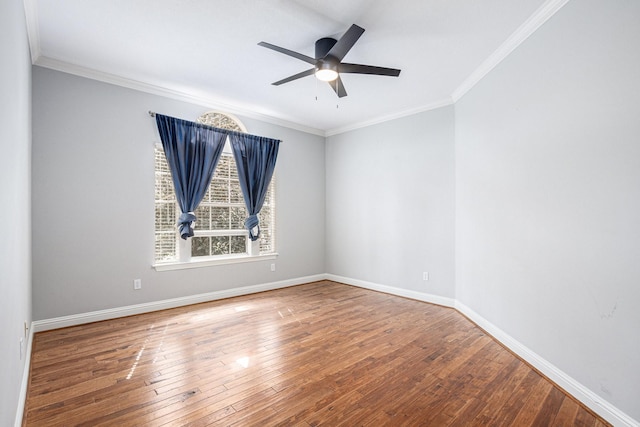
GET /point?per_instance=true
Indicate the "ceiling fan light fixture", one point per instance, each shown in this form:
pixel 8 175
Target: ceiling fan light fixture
pixel 327 62
pixel 326 71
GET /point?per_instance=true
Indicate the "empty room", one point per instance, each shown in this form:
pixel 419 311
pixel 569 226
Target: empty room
pixel 320 213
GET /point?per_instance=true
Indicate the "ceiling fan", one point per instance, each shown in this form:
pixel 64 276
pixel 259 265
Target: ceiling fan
pixel 328 65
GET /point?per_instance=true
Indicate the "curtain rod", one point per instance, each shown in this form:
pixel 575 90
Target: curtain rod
pixel 153 114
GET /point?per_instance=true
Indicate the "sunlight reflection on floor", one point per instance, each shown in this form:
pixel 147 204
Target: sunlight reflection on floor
pixel 243 361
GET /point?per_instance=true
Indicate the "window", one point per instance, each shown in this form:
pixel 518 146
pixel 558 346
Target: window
pixel 219 232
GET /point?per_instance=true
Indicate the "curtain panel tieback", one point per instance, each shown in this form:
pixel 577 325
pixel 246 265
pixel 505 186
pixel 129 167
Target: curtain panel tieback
pixel 185 224
pixel 192 151
pixel 255 158
pixel 252 223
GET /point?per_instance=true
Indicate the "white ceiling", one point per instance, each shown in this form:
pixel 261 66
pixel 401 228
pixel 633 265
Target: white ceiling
pixel 206 51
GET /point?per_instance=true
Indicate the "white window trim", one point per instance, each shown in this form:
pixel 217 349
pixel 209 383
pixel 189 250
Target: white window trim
pixel 199 262
pixel 183 247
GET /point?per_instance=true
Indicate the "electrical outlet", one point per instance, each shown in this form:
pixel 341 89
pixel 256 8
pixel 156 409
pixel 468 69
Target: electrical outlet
pixel 273 267
pixel 137 284
pixel 425 275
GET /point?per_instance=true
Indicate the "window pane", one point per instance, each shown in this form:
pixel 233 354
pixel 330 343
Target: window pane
pixel 164 187
pixel 165 246
pixel 266 241
pixel 265 215
pixel 268 196
pixel 222 208
pixel 219 218
pixel 207 195
pixel 165 210
pixel 219 191
pixel 220 245
pixel 238 244
pixel 236 192
pixel 222 169
pixel 238 215
pixel 161 161
pixel 233 169
pixel 200 246
pixel 165 216
pixel 203 218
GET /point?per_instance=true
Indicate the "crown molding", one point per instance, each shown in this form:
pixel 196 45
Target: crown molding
pixel 77 70
pixel 67 67
pixel 535 21
pixel 33 34
pixel 434 105
pixel 546 11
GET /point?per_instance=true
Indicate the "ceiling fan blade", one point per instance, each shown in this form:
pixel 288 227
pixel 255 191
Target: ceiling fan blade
pixel 367 69
pixel 346 42
pixel 306 73
pixel 338 87
pixel 288 52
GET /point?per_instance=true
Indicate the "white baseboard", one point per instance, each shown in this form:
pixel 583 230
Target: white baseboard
pixel 420 296
pixel 22 398
pixel 577 390
pixel 94 316
pixel 113 313
pixel 570 385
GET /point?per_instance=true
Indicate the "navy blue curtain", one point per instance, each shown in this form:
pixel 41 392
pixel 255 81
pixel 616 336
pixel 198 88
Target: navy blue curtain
pixel 256 160
pixel 192 152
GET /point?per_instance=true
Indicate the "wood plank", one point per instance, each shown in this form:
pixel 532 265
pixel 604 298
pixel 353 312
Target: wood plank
pixel 316 354
pixel 566 414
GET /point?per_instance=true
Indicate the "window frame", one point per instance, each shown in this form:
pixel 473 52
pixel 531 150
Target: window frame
pixel 228 232
pixel 183 248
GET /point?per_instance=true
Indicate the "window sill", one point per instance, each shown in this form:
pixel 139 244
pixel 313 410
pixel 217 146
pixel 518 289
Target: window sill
pixel 208 262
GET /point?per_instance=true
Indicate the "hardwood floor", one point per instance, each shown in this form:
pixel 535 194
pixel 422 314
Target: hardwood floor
pixel 317 354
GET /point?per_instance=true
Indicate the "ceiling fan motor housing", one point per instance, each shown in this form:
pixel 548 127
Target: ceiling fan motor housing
pixel 323 46
pixel 327 64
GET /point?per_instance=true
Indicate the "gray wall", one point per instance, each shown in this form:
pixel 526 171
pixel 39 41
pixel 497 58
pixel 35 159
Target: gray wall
pixel 15 205
pixel 548 196
pixel 521 201
pixel 93 191
pixel 390 203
